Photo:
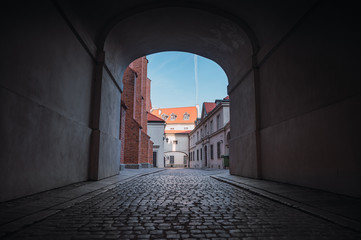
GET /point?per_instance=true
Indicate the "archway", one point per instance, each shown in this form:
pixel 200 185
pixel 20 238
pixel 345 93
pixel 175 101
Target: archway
pixel 304 111
pixel 201 32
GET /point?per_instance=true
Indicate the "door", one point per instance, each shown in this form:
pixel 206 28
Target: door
pixel 154 159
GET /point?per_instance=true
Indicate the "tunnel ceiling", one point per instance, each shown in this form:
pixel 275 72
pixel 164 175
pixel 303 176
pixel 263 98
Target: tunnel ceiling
pixel 226 32
pixel 177 29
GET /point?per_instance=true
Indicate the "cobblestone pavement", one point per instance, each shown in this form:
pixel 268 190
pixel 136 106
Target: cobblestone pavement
pixel 185 204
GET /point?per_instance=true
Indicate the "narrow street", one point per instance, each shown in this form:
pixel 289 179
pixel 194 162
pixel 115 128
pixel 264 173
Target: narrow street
pixel 181 203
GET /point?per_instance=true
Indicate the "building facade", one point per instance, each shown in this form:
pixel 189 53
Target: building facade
pixel 209 140
pixel 179 123
pixel 137 148
pixel 156 127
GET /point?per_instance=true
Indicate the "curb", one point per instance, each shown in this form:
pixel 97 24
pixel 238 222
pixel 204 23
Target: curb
pixel 316 212
pixel 14 226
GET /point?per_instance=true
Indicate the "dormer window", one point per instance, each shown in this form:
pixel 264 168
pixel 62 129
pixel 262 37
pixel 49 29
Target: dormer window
pixel 186 116
pixel 173 117
pixel 165 117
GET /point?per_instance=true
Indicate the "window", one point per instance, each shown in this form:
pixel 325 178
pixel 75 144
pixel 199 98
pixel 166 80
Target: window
pixel 171 128
pixel 201 153
pixel 171 160
pixel 211 126
pixel 218 121
pixel 166 139
pixel 218 149
pixel 173 117
pixel 185 128
pixel 211 151
pixel 165 117
pixel 197 136
pixel 186 116
pixel 201 133
pixel 185 160
pixel 205 153
pixel 175 141
pixel 197 154
pixel 205 129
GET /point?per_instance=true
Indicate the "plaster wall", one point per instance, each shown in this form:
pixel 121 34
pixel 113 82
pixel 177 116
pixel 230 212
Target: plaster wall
pixel 181 146
pixel 110 144
pixel 45 101
pixel 185 127
pixel 243 124
pixel 310 101
pixel 216 162
pixel 178 159
pixel 156 133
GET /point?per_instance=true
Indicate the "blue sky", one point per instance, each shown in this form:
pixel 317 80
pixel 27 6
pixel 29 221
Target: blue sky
pixel 173 80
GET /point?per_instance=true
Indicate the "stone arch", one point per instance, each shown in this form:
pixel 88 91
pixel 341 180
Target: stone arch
pixel 176 28
pixel 198 29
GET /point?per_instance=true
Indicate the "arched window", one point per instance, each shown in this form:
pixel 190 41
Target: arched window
pixel 173 117
pixel 165 117
pixel 186 116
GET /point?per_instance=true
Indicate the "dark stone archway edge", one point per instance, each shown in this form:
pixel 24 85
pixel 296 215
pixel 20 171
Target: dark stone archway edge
pixel 339 209
pixel 19 213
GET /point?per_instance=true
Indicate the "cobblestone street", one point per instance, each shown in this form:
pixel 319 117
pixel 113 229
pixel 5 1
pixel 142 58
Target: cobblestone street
pixel 181 203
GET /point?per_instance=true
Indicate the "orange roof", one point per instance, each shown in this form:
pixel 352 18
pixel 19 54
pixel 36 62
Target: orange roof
pixel 152 118
pixel 176 115
pixel 226 98
pixel 177 131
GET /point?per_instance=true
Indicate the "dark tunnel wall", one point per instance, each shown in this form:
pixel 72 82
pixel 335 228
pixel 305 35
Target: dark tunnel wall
pixel 294 86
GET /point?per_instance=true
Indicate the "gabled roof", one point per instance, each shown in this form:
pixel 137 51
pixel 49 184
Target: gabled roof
pixel 153 118
pixel 180 115
pixel 207 108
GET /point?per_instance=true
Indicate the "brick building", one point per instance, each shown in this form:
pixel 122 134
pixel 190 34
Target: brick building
pixel 137 147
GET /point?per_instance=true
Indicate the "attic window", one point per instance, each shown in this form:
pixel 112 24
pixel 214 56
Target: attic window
pixel 159 112
pixel 173 117
pixel 165 117
pixel 186 116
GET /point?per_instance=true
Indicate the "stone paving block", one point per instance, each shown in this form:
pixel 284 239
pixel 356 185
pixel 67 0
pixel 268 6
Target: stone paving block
pixel 176 204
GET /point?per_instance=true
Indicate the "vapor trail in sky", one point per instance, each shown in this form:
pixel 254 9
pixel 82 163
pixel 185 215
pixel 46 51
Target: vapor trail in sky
pixel 196 75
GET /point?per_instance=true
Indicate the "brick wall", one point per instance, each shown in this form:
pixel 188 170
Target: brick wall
pixel 129 79
pixel 136 96
pixel 122 130
pixel 144 148
pixel 147 95
pixel 132 143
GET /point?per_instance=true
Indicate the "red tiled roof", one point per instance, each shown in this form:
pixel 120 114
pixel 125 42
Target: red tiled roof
pixel 177 131
pixel 153 118
pixel 226 98
pixel 178 112
pixel 209 106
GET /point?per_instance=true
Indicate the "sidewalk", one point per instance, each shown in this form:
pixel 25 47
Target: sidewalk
pixel 336 208
pixel 18 213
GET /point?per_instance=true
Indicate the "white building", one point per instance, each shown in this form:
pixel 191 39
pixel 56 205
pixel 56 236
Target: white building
pixel 179 123
pixel 155 130
pixel 209 139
